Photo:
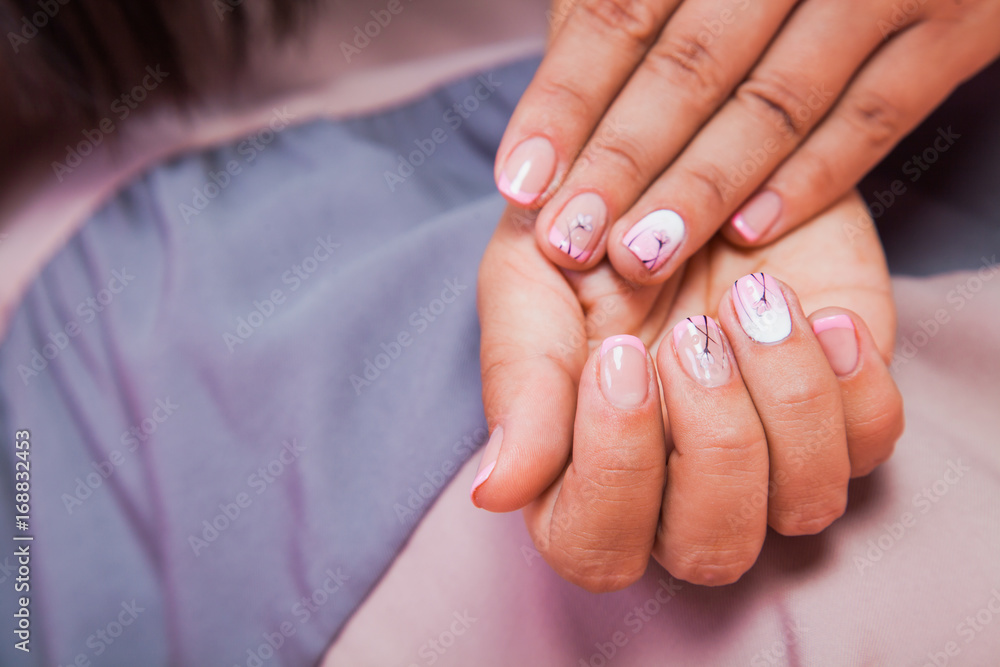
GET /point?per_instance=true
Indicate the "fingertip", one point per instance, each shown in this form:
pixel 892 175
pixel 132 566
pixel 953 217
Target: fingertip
pixel 487 463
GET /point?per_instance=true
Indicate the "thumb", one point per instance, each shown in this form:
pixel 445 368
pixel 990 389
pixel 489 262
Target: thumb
pixel 533 348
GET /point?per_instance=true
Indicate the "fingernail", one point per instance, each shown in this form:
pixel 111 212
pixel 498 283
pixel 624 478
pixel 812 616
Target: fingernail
pixel 701 350
pixel 758 216
pixel 761 308
pixel 840 344
pixel 655 238
pixel 528 170
pixel 578 228
pixel 488 462
pixel 624 378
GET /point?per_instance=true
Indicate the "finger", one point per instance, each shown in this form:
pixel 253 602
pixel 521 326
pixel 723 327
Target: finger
pixel 873 407
pixel 769 115
pixel 704 51
pixel 714 515
pixel 798 400
pixel 526 312
pixel 595 51
pixel 903 83
pixel 597 526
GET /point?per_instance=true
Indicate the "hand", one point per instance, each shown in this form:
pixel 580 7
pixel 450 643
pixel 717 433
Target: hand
pixel 773 443
pixel 651 122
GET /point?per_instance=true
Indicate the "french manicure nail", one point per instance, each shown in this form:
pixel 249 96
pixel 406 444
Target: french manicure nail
pixel 758 216
pixel 528 170
pixel 655 238
pixel 840 344
pixel 702 351
pixel 762 308
pixel 488 462
pixel 578 228
pixel 624 375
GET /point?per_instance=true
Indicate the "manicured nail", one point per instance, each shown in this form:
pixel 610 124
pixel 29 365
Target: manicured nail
pixel 702 351
pixel 761 308
pixel 840 344
pixel 655 238
pixel 528 170
pixel 578 228
pixel 758 216
pixel 488 462
pixel 624 376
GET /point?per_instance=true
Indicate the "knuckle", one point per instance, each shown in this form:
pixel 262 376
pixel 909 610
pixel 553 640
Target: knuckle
pixel 810 516
pixel 568 97
pixel 872 439
pixel 626 157
pixel 600 571
pixel 709 568
pixel 879 120
pixel 710 186
pixel 780 100
pixel 635 19
pixel 685 61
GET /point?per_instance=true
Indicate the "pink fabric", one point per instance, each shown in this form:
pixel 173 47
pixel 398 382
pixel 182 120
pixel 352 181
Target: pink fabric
pixel 910 575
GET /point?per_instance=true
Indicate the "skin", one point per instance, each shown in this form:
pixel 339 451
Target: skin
pixel 602 488
pixel 698 105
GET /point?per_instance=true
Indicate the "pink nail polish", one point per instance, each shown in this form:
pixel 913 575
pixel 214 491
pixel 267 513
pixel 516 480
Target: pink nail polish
pixel 528 170
pixel 758 216
pixel 655 238
pixel 624 374
pixel 762 308
pixel 578 227
pixel 701 349
pixel 489 461
pixel 836 335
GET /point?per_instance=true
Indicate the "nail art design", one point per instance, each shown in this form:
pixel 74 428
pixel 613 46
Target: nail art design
pixel 761 308
pixel 528 170
pixel 702 351
pixel 655 238
pixel 579 226
pixel 574 242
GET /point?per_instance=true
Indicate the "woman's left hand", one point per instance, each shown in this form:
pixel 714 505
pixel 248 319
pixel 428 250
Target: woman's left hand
pixel 765 429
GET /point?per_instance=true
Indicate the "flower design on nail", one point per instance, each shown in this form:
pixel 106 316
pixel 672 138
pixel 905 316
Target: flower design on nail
pixel 583 226
pixel 655 238
pixel 762 309
pixel 705 358
pixel 581 221
pixel 701 349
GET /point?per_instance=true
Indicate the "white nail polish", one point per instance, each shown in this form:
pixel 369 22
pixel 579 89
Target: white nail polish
pixel 762 308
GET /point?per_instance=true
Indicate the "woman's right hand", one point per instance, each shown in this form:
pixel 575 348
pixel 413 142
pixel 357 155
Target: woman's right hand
pixel 765 429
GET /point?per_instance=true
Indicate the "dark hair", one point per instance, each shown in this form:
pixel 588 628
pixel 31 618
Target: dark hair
pixel 71 58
